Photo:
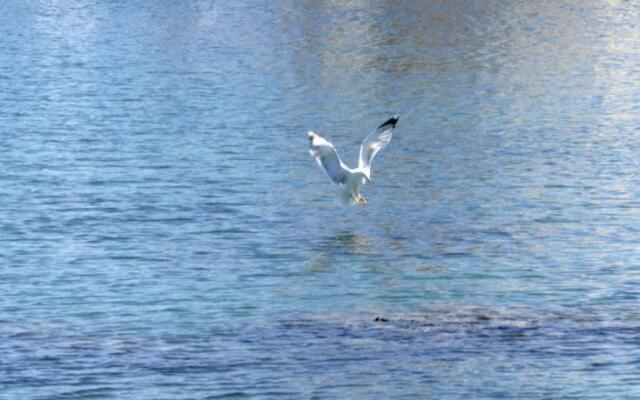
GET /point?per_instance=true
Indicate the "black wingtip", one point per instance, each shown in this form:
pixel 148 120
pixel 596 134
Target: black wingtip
pixel 391 121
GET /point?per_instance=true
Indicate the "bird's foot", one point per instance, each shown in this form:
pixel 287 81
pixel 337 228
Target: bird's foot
pixel 358 198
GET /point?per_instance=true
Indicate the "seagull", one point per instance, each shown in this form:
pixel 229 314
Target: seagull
pixel 350 179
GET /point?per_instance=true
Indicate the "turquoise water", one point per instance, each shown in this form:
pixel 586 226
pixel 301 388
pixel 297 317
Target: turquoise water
pixel 165 234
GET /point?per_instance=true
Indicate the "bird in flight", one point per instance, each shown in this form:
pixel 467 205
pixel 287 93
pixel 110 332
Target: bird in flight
pixel 351 179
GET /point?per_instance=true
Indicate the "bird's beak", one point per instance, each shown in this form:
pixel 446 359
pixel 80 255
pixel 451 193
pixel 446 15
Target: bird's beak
pixel 311 136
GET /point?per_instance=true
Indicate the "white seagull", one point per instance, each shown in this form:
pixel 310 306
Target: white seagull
pixel 351 179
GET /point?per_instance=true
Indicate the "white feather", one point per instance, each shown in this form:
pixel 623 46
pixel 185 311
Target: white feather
pixel 327 157
pixel 373 143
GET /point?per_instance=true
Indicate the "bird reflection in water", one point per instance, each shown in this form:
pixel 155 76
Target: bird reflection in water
pixel 350 242
pixel 342 244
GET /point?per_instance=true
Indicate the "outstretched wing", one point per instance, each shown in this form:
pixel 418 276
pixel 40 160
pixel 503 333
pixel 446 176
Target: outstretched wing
pixel 374 142
pixel 327 157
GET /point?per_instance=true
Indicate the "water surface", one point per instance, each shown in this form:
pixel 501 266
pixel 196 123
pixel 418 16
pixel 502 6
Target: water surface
pixel 165 235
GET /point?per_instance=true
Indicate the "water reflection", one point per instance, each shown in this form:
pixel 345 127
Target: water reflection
pixel 176 130
pixel 350 242
pixel 328 250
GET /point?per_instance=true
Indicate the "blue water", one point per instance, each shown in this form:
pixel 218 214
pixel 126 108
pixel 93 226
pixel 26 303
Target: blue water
pixel 164 233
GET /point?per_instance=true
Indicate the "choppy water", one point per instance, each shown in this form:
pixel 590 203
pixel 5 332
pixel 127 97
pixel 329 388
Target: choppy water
pixel 165 235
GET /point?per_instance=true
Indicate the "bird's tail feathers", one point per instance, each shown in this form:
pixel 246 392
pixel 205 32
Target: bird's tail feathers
pixel 345 198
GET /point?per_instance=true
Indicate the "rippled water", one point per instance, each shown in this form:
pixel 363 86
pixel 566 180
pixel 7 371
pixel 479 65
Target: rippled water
pixel 165 234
